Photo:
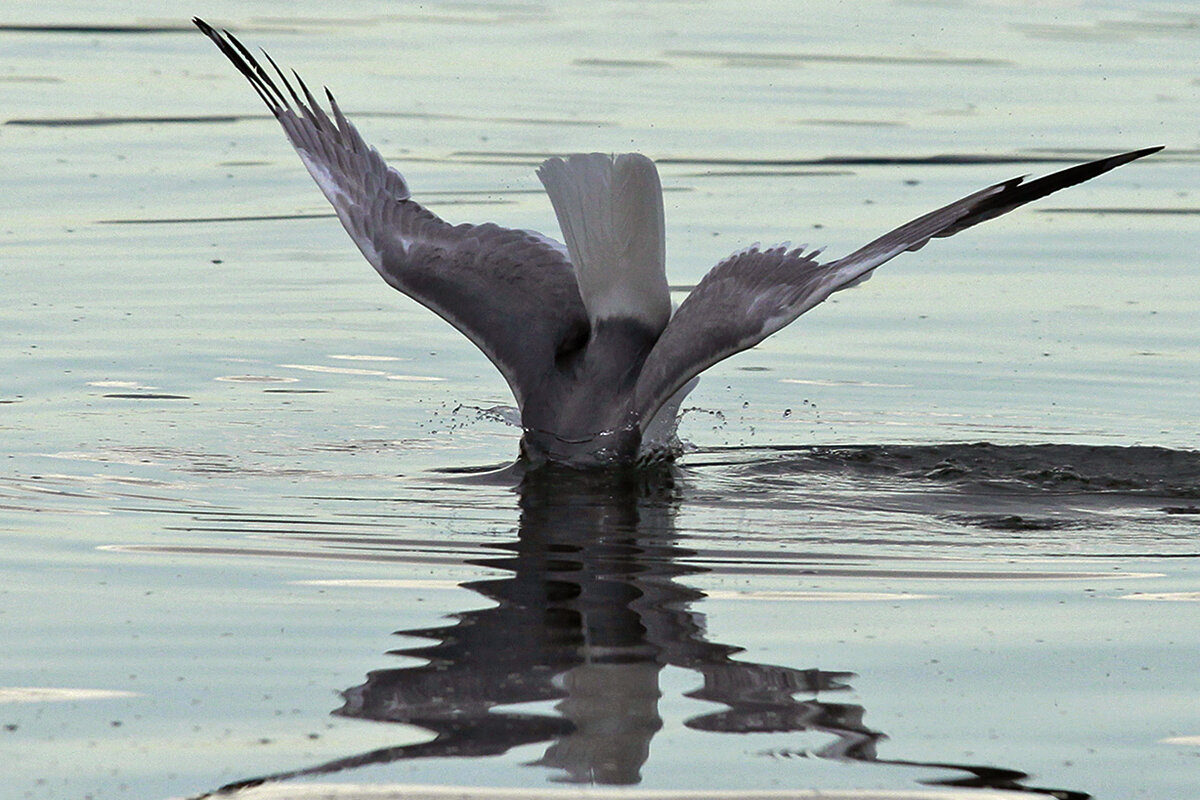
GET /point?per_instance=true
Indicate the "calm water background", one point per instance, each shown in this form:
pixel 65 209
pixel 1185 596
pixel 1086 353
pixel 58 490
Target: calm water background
pixel 226 442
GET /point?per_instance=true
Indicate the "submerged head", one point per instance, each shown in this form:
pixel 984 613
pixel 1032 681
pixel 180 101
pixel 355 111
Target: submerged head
pixel 608 448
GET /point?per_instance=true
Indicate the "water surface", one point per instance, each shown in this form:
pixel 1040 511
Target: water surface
pixel 938 538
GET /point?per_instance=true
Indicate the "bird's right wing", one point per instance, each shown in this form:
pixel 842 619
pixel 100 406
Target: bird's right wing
pixel 754 293
pixel 740 302
pixel 512 293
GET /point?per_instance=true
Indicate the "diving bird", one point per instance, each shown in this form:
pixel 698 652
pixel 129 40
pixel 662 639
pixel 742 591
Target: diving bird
pixel 584 332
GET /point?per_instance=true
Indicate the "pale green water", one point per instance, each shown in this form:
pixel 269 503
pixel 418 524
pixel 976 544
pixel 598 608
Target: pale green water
pixel 206 555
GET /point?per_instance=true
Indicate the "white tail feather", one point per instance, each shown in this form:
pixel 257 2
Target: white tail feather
pixel 610 211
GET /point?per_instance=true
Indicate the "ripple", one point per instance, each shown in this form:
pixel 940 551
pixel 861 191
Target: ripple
pixel 822 597
pixel 1193 741
pixel 256 379
pixel 767 58
pixel 382 583
pixel 146 396
pixel 121 385
pixel 49 694
pixel 1054 468
pixel 333 370
pixel 383 791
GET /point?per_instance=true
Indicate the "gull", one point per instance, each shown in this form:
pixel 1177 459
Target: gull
pixel 584 332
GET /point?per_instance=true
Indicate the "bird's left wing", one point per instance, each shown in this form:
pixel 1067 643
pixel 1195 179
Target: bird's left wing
pixel 754 293
pixel 513 293
pixel 740 302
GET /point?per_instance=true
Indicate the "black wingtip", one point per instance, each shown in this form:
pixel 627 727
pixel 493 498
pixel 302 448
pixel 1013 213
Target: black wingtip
pixel 1078 174
pixel 1145 151
pixel 1018 193
pixel 1132 155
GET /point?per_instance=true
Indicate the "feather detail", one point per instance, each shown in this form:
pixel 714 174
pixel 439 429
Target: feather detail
pixel 756 292
pixel 610 211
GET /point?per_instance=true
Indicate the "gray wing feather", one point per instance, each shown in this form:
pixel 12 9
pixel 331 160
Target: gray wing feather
pixel 754 293
pixel 740 302
pixel 513 293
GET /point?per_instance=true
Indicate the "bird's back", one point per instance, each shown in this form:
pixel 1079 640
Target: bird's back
pixel 584 411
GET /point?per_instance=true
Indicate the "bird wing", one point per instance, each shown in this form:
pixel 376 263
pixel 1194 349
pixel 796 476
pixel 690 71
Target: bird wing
pixel 513 293
pixel 754 293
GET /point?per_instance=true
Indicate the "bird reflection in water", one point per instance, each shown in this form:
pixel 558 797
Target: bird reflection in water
pixel 591 613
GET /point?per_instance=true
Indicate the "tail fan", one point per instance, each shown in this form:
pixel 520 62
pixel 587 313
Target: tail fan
pixel 610 210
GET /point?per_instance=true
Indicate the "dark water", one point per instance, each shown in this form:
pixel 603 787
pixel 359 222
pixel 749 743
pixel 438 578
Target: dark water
pixel 595 598
pixel 892 609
